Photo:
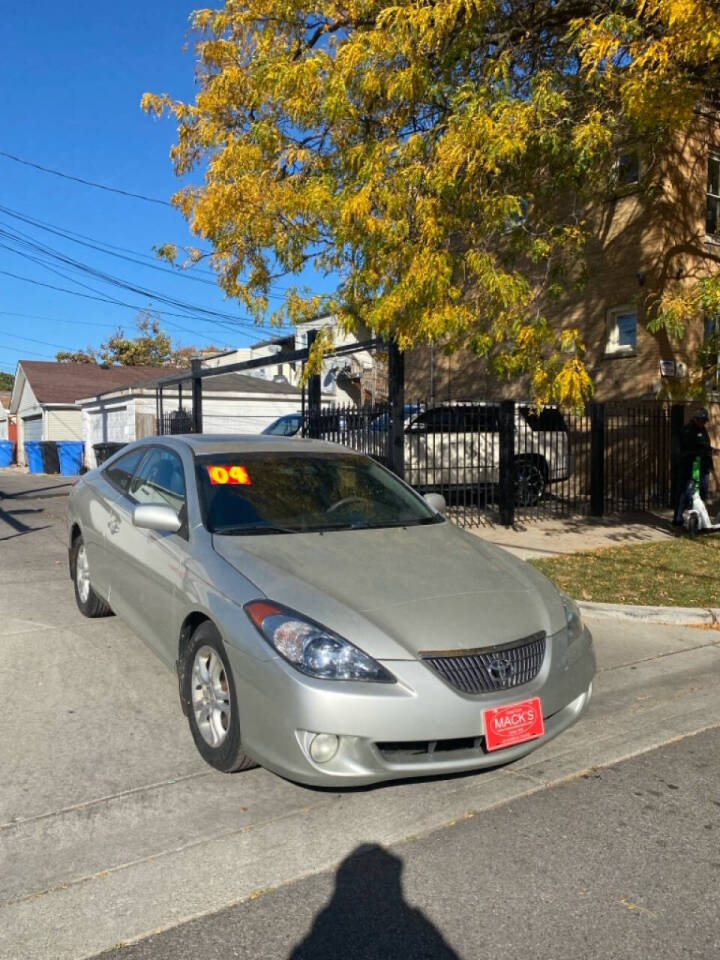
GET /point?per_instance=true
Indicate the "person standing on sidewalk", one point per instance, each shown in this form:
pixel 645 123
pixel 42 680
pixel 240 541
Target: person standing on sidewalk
pixel 694 444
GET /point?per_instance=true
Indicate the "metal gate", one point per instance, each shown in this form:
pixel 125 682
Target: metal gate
pixel 496 461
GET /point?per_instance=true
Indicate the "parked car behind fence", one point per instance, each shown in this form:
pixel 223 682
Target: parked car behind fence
pixel 457 445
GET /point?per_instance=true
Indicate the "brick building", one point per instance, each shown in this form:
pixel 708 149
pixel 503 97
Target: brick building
pixel 658 231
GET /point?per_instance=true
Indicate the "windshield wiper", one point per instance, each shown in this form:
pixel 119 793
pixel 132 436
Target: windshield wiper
pixel 255 529
pixel 364 525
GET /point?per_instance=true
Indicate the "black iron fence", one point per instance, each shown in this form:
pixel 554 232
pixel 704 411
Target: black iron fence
pixel 179 421
pixel 499 461
pixel 493 460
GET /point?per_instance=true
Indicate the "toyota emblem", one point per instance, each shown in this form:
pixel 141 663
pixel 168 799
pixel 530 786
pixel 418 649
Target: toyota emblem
pixel 501 670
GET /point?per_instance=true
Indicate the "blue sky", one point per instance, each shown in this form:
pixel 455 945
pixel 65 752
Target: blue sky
pixel 72 76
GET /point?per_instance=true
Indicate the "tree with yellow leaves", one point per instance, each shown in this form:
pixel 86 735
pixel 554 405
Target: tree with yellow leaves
pixel 436 156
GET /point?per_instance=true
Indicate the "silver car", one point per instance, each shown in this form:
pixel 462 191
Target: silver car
pixel 324 619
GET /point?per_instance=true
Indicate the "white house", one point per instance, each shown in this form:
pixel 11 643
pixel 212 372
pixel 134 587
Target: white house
pixel 4 415
pixel 45 396
pixel 232 403
pixel 345 380
pixel 351 379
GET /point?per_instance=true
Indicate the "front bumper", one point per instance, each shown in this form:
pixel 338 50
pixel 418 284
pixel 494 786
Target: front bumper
pixel 383 728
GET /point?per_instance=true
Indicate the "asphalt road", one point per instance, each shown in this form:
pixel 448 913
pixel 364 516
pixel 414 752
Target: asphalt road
pixel 622 862
pixel 112 827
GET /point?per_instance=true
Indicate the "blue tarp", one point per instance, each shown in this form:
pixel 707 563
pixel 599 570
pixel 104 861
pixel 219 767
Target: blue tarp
pixel 70 454
pixel 33 453
pixel 6 452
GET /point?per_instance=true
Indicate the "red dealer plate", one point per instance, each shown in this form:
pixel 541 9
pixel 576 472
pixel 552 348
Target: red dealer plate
pixel 513 723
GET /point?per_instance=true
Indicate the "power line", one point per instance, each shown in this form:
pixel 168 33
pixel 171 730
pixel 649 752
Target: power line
pixel 121 253
pixel 86 296
pixel 187 307
pixel 237 328
pixel 82 180
pixel 40 316
pixel 34 353
pixel 44 343
pixel 131 256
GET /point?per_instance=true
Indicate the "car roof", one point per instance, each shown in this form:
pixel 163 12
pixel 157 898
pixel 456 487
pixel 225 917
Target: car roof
pixel 210 443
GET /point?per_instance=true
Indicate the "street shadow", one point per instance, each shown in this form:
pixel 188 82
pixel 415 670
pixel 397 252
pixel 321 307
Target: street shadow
pixel 368 918
pixel 616 527
pixel 20 528
pixel 56 490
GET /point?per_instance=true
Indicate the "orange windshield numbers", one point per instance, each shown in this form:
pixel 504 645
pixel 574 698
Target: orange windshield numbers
pixel 222 473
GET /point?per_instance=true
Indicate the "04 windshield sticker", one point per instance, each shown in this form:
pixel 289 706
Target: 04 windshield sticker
pixel 222 473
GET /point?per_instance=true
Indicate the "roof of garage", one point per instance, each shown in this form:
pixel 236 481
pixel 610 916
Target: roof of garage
pixel 69 382
pixel 243 383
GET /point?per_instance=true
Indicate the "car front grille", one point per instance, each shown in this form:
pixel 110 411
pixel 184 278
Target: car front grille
pixel 414 751
pixel 488 670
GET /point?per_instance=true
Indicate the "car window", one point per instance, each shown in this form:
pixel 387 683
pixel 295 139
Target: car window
pixel 160 480
pixel 286 426
pixel 299 492
pixel 120 471
pixel 438 420
pixel 549 418
pixel 458 418
pixel 487 419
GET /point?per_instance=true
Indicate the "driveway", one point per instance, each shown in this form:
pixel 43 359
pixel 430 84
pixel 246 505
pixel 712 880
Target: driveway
pixel 111 827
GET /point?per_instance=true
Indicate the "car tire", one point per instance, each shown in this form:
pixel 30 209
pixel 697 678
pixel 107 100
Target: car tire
pixel 530 480
pixel 88 602
pixel 209 693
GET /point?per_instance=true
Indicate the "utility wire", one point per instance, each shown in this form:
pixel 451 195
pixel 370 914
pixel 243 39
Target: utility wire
pixel 86 296
pixel 82 180
pixel 187 308
pixel 40 316
pixel 122 253
pixel 44 343
pixel 4 346
pixel 234 327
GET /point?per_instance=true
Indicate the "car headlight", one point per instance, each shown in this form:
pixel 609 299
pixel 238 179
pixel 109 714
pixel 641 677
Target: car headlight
pixel 312 648
pixel 573 617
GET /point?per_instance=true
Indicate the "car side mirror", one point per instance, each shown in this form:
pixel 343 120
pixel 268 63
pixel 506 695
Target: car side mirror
pixel 437 502
pixel 156 516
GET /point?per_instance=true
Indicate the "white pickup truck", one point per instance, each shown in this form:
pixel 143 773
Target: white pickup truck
pixel 457 445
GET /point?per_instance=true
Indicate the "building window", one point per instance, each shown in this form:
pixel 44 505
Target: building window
pixel 622 330
pixel 713 196
pixel 627 169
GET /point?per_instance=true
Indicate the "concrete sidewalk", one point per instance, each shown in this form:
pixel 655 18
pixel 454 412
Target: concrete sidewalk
pixel 549 538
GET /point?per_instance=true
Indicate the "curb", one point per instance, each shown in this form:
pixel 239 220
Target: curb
pixel 677 616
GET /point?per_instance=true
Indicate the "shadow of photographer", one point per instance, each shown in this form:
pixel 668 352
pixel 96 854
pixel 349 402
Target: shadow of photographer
pixel 368 918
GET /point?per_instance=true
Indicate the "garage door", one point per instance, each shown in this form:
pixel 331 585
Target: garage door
pixel 108 425
pixel 117 424
pixel 33 428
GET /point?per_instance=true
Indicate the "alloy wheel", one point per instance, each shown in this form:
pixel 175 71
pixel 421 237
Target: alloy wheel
pixel 82 574
pixel 529 483
pixel 210 696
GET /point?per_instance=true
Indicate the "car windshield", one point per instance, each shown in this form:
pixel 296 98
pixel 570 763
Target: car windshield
pixel 257 493
pixel 284 426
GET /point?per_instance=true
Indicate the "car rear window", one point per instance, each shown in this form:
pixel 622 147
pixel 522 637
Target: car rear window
pixel 302 492
pixel 546 420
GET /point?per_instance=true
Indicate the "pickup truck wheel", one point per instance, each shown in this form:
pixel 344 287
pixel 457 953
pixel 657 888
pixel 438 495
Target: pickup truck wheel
pixel 530 482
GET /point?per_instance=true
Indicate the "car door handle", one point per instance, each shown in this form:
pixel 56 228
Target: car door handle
pixel 113 523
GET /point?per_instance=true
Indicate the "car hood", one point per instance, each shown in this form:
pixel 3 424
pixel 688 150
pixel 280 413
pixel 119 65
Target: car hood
pixel 400 591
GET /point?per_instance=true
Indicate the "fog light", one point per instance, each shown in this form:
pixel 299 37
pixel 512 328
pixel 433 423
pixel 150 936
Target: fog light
pixel 323 747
